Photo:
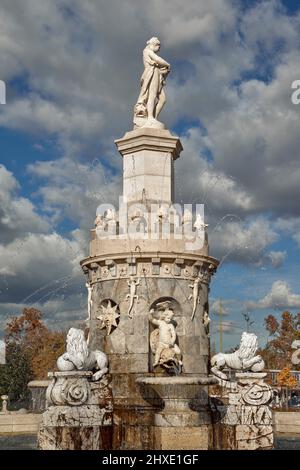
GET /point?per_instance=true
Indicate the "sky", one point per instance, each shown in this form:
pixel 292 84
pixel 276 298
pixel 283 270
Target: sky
pixel 72 73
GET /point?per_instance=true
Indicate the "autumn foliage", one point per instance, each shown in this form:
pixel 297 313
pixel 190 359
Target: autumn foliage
pixel 286 379
pixel 278 351
pixel 40 345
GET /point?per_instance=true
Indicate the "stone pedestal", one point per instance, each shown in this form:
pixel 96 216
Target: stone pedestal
pixel 246 422
pixel 38 395
pixel 185 421
pixel 148 156
pixel 79 413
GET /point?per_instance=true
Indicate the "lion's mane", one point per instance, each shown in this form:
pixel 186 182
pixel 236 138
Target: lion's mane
pixel 77 345
pixel 248 346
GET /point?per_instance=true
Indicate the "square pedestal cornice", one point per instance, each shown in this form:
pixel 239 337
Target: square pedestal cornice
pixel 155 140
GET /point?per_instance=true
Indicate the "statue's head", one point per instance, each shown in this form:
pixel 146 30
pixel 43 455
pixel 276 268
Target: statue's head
pixel 154 44
pixel 248 345
pixel 76 342
pixel 168 315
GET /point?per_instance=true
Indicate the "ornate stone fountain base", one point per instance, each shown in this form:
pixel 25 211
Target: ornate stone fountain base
pixel 185 421
pixel 79 413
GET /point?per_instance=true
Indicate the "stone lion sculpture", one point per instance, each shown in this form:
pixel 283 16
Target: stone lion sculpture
pixel 78 356
pixel 244 359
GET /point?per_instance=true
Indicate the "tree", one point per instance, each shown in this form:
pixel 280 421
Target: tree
pixel 31 351
pixel 39 344
pixel 277 353
pixel 286 381
pixel 15 375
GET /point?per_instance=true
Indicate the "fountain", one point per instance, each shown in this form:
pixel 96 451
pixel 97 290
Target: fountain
pixel 148 276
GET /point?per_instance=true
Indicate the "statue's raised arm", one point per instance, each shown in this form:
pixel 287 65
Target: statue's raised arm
pixel 152 96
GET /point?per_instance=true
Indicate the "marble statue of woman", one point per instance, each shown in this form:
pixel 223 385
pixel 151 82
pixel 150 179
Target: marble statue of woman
pixel 152 96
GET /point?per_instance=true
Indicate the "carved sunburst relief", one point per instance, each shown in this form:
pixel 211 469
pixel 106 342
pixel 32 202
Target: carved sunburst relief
pixel 108 317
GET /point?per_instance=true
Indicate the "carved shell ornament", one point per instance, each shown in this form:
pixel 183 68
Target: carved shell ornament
pixel 167 269
pixel 105 272
pixel 68 391
pixel 186 272
pixel 75 392
pixel 123 271
pixel 144 270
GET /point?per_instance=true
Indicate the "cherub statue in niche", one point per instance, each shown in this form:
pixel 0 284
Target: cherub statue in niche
pixel 163 339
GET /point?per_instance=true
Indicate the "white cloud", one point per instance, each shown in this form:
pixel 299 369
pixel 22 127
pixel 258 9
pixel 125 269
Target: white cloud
pixel 244 242
pixel 227 326
pixel 277 258
pixel 74 190
pixel 279 297
pixel 220 306
pixel 60 311
pixel 82 67
pixel 201 182
pixel 289 226
pixel 17 214
pixel 40 261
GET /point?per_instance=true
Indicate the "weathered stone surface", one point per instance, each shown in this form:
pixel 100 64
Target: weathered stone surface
pixel 248 413
pixel 126 323
pixel 81 416
pixel 190 345
pixel 79 413
pixel 254 437
pixel 287 422
pixel 185 327
pixel 131 363
pixel 75 438
pixel 137 344
pixel 224 437
pixel 245 414
pixel 13 422
pixel 181 419
pixel 192 367
pixel 141 324
pixel 187 438
pixel 136 438
pixel 115 342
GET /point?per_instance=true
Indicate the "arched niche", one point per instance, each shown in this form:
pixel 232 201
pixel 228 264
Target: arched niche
pixel 153 330
pixel 174 305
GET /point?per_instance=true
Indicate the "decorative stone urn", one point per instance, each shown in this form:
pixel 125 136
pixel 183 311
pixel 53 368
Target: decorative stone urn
pixel 4 399
pixel 185 420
